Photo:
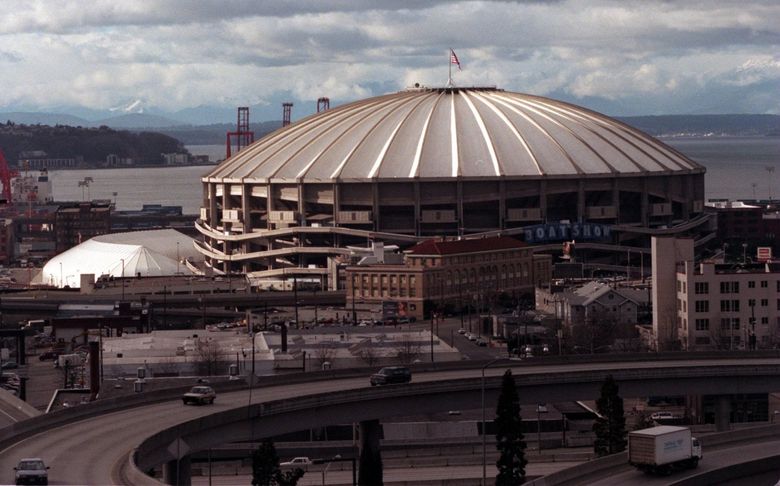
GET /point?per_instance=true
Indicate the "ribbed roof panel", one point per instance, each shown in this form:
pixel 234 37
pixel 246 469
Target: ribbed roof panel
pixel 452 132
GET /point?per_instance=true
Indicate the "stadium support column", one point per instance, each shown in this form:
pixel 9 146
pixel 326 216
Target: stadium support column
pixel 645 204
pixel 543 199
pixel 246 220
pixel 722 413
pixel 581 213
pixel 178 471
pixel 370 467
pixel 689 192
pixel 301 205
pixel 459 207
pixel 502 204
pixel 616 199
pixel 375 206
pixel 417 208
pixel 336 222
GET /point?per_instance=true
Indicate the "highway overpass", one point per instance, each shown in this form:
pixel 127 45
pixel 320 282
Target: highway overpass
pixel 106 443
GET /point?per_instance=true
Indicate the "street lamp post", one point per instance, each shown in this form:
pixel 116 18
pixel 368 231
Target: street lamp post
pixel 484 443
pixel 123 279
pixel 540 409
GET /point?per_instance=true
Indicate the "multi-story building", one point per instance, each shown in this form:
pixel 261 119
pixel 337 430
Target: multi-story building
pixel 727 306
pixel 78 222
pixel 441 274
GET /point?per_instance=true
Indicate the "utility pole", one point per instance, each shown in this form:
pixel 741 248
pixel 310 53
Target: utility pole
pixel 295 297
pixel 354 313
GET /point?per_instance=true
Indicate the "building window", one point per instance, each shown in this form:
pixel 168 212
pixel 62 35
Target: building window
pixel 764 284
pixel 702 340
pixel 729 306
pixel 751 284
pixel 702 288
pixel 702 306
pixel 729 287
pixel 702 324
pixel 764 302
pixel 765 321
pixel 751 302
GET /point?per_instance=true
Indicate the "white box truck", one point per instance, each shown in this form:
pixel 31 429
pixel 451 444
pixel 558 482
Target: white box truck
pixel 662 449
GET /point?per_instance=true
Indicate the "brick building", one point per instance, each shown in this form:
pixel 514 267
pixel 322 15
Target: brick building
pixel 448 274
pixel 77 222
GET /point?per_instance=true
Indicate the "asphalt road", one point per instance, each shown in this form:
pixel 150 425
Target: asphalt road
pixel 93 450
pixel 712 459
pixel 393 475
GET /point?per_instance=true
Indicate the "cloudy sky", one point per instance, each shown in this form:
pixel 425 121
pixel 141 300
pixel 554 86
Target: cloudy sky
pixel 619 57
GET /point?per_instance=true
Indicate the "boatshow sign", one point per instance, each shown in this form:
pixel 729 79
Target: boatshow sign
pixel 542 233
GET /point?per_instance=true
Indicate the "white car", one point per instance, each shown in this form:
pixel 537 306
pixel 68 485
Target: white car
pixel 297 463
pixel 662 416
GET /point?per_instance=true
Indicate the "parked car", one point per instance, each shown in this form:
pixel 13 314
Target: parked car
pixel 298 463
pixel 462 331
pixel 472 337
pixel 662 416
pixel 9 365
pixel 199 395
pixel 481 342
pixel 391 374
pixel 32 470
pixel 48 355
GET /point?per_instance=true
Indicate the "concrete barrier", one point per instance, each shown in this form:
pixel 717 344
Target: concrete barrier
pixel 745 469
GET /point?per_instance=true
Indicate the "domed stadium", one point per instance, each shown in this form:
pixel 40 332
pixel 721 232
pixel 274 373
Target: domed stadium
pixel 444 162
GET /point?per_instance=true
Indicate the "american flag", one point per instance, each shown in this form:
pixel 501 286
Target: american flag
pixel 454 59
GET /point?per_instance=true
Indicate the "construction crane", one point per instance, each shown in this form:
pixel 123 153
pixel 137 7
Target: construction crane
pixel 6 174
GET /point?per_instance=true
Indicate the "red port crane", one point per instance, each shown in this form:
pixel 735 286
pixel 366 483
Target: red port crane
pixel 6 174
pixel 243 134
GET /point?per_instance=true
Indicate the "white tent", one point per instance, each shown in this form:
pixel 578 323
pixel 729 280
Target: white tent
pixel 136 253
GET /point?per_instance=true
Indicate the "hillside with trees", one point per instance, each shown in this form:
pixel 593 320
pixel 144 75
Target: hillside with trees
pixel 92 145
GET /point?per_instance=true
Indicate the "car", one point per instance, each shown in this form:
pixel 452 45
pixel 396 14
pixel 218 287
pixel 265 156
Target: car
pixel 404 320
pixel 48 355
pixel 462 331
pixel 662 416
pixel 199 395
pixel 32 470
pixel 298 463
pixel 481 342
pixel 472 337
pixel 391 374
pixel 9 365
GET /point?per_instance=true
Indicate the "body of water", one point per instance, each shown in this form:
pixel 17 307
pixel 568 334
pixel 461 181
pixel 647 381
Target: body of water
pixel 734 165
pixel 736 168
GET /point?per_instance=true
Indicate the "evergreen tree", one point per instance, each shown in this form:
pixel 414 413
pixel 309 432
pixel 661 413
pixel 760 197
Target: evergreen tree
pixel 509 435
pixel 610 427
pixel 265 468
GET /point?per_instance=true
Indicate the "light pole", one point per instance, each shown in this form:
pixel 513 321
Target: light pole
pixel 123 279
pixel 61 275
pixel 484 443
pixel 540 409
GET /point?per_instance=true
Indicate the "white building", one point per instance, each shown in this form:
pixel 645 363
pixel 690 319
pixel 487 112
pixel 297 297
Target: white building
pixel 709 305
pixel 728 306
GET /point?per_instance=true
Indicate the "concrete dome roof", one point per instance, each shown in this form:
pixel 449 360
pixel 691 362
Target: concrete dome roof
pixel 451 133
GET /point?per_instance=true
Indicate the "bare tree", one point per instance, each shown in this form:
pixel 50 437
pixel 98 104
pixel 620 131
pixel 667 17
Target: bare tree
pixel 368 353
pixel 407 350
pixel 208 353
pixel 325 353
pixel 166 367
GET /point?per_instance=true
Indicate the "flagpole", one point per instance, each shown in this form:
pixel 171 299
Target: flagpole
pixel 449 73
